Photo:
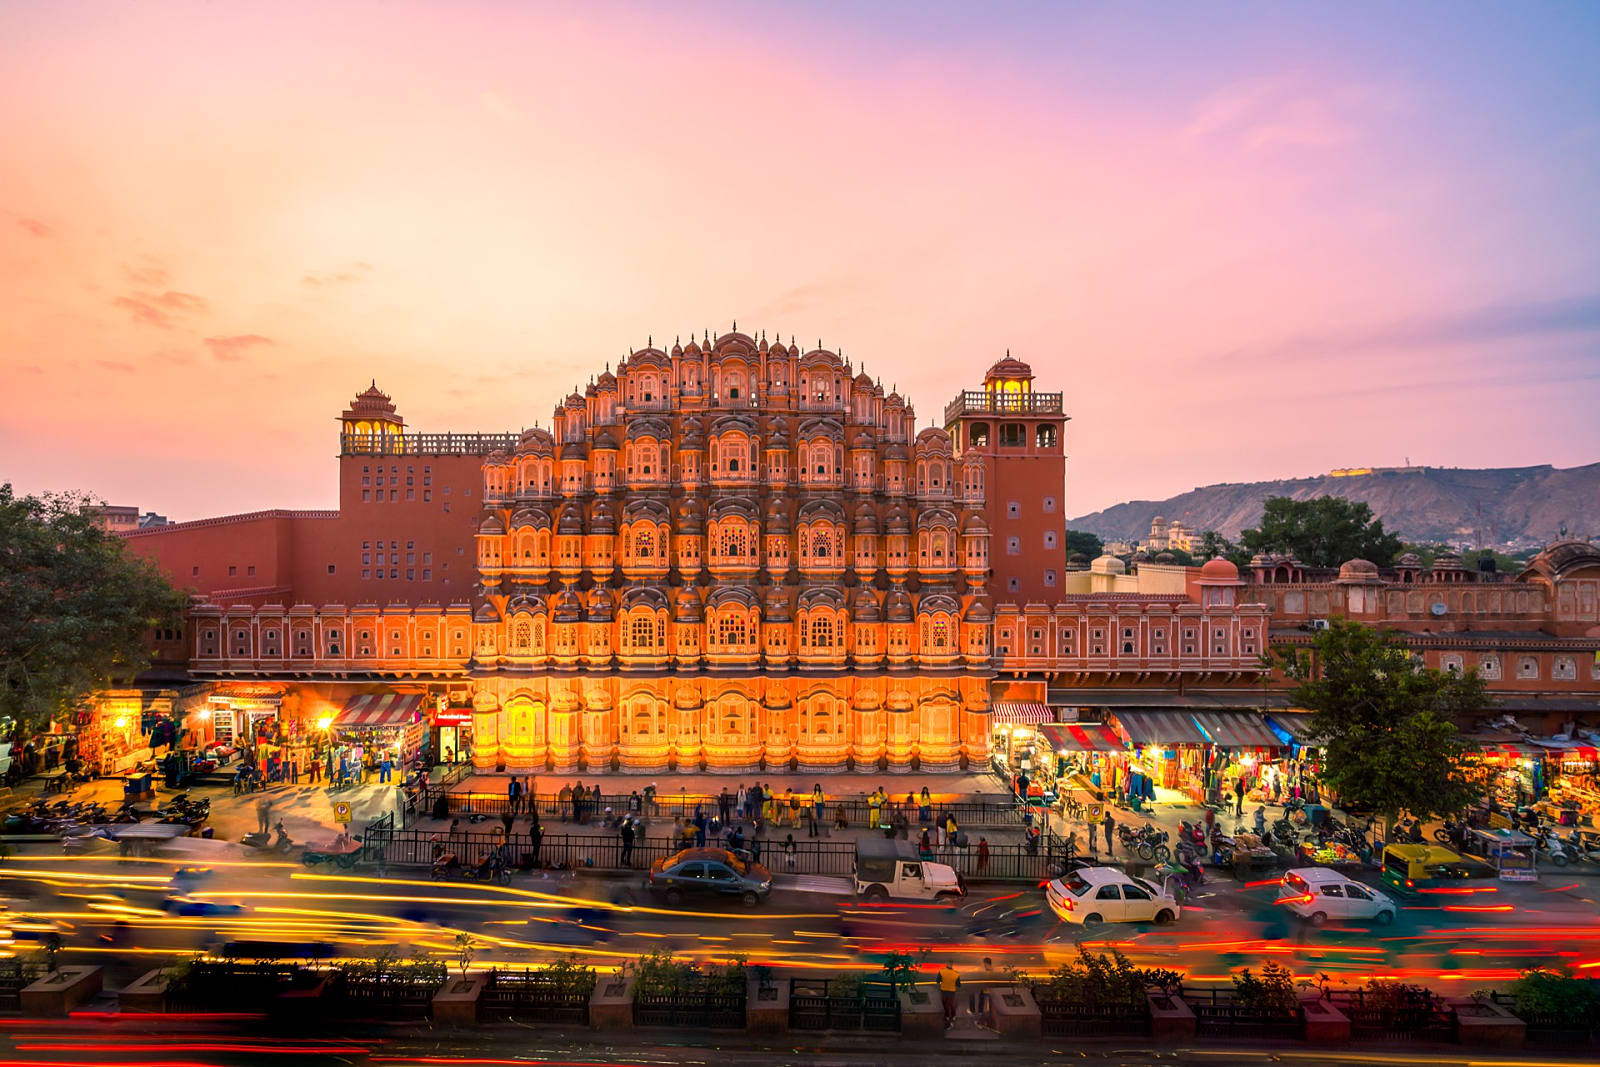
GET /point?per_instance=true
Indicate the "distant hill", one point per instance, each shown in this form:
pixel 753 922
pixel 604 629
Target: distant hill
pixel 1527 505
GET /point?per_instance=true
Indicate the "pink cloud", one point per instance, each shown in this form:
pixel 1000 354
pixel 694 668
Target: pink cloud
pixel 34 227
pixel 231 349
pixel 163 309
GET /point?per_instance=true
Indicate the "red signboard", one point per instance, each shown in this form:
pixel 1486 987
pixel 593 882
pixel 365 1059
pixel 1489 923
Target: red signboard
pixel 453 717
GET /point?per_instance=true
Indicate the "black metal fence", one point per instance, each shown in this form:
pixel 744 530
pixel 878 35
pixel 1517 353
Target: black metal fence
pixel 1065 1018
pixel 416 848
pixel 1217 1014
pixel 711 1010
pixel 1550 1030
pixel 1000 811
pixel 535 995
pixel 389 997
pixel 828 1004
pixel 1402 1014
pixel 15 975
pixel 207 986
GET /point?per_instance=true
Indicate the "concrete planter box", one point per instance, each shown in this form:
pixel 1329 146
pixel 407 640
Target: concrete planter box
pixel 61 990
pixel 767 1016
pixel 148 993
pixel 1325 1023
pixel 924 1019
pixel 1171 1019
pixel 611 1003
pixel 1013 1014
pixel 458 1000
pixel 1485 1024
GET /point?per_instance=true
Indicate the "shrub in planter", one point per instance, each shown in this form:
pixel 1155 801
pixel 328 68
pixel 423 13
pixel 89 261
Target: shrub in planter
pixel 569 977
pixel 1099 979
pixel 1270 994
pixel 900 971
pixel 1545 991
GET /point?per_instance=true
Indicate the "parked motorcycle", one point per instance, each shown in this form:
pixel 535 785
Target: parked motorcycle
pixel 281 843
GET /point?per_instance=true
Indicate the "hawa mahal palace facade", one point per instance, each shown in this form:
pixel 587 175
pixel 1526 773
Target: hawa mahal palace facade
pixel 734 554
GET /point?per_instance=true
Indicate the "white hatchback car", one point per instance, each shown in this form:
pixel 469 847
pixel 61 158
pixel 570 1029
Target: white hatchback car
pixel 1104 894
pixel 1318 894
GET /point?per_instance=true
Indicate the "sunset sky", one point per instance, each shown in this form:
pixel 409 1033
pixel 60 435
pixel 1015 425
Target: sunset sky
pixel 1247 241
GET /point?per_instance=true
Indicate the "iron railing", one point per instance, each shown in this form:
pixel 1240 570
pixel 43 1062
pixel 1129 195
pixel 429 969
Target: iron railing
pixel 717 1011
pixel 1410 1014
pixel 535 994
pixel 1217 1014
pixel 1065 1018
pixel 827 1004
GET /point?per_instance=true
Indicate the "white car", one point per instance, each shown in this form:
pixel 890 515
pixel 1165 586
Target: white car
pixel 1318 894
pixel 1104 894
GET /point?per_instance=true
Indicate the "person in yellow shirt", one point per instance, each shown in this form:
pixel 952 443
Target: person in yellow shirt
pixel 949 982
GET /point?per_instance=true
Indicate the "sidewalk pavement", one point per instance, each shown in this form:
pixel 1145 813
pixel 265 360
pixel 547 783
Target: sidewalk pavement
pixel 943 788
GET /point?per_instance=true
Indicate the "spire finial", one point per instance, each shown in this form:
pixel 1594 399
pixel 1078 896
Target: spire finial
pixel 650 340
pixel 735 325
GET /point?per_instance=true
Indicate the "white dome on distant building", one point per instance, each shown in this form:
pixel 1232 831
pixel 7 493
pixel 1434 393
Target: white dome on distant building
pixel 1108 564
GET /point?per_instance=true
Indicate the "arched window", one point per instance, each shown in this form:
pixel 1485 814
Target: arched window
pixel 821 631
pixel 522 636
pixel 642 631
pixel 732 631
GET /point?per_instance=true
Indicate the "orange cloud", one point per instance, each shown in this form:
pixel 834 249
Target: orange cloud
pixel 35 228
pixel 161 310
pixel 230 349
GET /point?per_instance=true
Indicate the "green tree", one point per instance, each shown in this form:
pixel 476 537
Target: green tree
pixel 1387 722
pixel 1322 532
pixel 78 608
pixel 1085 542
pixel 1214 546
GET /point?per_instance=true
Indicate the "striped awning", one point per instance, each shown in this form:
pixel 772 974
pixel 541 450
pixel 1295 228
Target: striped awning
pixel 1570 750
pixel 1148 727
pixel 1236 729
pixel 1080 737
pixel 1021 712
pixel 378 710
pixel 1504 747
pixel 1293 726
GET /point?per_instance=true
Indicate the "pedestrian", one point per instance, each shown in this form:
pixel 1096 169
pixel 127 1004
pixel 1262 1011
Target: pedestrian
pixel 925 807
pixel 983 852
pixel 794 808
pixel 951 830
pixel 564 801
pixel 816 808
pixel 755 847
pixel 788 851
pixel 627 843
pixel 1109 825
pixel 1238 797
pixel 984 980
pixel 315 769
pixel 873 804
pixel 949 982
pixel 939 828
pixel 264 814
pixel 511 794
pixel 507 820
pixel 635 803
pixel 1261 821
pixel 725 805
pixel 841 821
pixel 924 846
pixel 650 799
pixel 535 840
pixel 294 769
pixel 742 800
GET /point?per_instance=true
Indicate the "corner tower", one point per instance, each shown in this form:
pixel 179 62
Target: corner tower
pixel 1018 433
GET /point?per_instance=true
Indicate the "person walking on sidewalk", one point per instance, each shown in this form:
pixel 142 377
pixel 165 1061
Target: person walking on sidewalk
pixel 511 795
pixel 1238 797
pixel 949 982
pixel 627 842
pixel 742 801
pixel 873 804
pixel 1109 825
pixel 264 814
pixel 983 852
pixel 816 808
pixel 725 805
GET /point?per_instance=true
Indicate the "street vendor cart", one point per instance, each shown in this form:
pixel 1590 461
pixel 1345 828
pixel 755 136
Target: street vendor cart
pixel 1511 853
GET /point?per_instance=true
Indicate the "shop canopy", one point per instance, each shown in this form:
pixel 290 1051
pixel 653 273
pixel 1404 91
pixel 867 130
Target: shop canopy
pixel 1572 750
pixel 1149 727
pixel 1080 737
pixel 1294 726
pixel 1503 746
pixel 378 710
pixel 1020 712
pixel 1236 729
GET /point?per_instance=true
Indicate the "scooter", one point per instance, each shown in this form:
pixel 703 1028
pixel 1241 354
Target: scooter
pixel 281 843
pixel 1583 846
pixel 1549 842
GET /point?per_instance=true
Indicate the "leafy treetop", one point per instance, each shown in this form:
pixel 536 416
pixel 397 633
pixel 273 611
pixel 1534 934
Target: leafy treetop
pixel 78 607
pixel 1322 532
pixel 1387 722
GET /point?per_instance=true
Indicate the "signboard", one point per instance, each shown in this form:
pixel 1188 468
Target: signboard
pixel 453 717
pixel 341 812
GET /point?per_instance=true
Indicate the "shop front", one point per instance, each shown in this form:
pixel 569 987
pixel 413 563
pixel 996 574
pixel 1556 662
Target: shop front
pixel 234 720
pixel 1510 769
pixel 450 739
pixel 1570 768
pixel 1080 759
pixel 371 730
pixel 1167 760
pixel 1014 747
pixel 1244 751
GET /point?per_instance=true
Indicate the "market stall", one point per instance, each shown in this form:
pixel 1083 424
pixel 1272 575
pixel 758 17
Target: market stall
pixel 1080 750
pixel 1570 771
pixel 1014 747
pixel 1166 760
pixel 378 725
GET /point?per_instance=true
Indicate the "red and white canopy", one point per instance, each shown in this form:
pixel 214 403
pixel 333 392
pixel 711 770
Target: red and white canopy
pixel 378 710
pixel 1081 737
pixel 1021 712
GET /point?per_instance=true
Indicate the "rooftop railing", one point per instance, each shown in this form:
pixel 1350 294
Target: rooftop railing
pixel 983 402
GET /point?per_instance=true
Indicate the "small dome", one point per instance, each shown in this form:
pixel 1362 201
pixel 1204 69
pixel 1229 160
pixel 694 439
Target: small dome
pixel 1219 570
pixel 1358 570
pixel 1108 564
pixel 1410 559
pixel 1166 557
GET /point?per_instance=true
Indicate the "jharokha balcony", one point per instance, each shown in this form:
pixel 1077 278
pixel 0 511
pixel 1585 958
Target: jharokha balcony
pixel 998 402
